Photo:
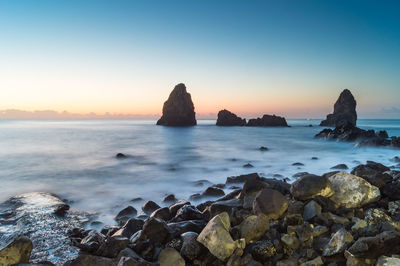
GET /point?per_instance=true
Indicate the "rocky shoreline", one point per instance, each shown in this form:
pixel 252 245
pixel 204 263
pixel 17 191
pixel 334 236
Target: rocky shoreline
pixel 338 218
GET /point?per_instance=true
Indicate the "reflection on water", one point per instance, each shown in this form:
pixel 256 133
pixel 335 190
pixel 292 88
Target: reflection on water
pixel 75 159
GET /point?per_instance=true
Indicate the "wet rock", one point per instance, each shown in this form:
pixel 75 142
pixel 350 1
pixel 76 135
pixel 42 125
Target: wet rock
pixel 225 206
pixel 298 164
pixel 386 243
pixel 253 227
pixel 187 212
pixel 175 207
pixel 309 186
pixel 17 251
pixel 300 174
pixel 178 110
pixel 248 165
pixel 311 210
pixel 338 243
pixel 61 209
pixel 133 261
pixel 130 227
pixel 262 148
pixel 319 230
pixel 92 241
pixel 374 173
pixel 314 158
pixel 341 166
pixel 241 178
pixel 170 198
pixel 186 226
pixel 352 191
pixel 191 249
pixel 124 215
pixel 262 250
pixel 392 190
pixel 271 203
pixel 91 260
pixel 213 192
pixel 268 121
pixel 121 156
pixel 169 257
pixel 303 232
pixel 226 118
pixel 162 213
pixel 156 230
pixel 150 206
pixel 344 111
pixel 216 238
pixel 112 246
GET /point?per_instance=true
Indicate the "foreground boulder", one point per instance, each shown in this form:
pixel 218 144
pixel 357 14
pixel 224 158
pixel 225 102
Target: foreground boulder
pixel 352 191
pixel 271 203
pixel 344 111
pixel 216 238
pixel 18 251
pixel 309 186
pixel 268 121
pixel 226 118
pixel 178 110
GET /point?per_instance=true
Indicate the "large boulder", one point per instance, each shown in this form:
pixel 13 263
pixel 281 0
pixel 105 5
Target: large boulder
pixel 309 186
pixel 253 227
pixel 178 110
pixel 268 121
pixel 374 173
pixel 352 191
pixel 18 251
pixel 226 118
pixel 338 243
pixel 344 111
pixel 216 238
pixel 271 203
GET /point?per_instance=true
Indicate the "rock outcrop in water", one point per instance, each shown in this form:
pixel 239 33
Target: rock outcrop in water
pixel 226 118
pixel 268 121
pixel 360 136
pixel 344 111
pixel 178 110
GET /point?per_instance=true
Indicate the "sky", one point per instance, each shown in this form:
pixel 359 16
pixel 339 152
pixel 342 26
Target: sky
pixel 290 58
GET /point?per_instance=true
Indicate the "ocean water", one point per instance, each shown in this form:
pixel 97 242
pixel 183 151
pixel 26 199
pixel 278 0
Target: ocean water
pixel 75 159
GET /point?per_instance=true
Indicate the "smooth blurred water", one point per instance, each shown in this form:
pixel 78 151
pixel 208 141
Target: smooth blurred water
pixel 75 159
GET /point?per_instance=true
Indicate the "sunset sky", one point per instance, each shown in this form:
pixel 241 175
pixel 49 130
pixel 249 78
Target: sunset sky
pixel 291 58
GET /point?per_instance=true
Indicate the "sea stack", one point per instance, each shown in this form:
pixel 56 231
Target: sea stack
pixel 226 118
pixel 178 110
pixel 268 121
pixel 344 111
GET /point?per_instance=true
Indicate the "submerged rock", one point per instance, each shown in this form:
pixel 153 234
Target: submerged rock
pixel 18 251
pixel 344 111
pixel 33 215
pixel 124 215
pixel 178 110
pixel 352 191
pixel 268 121
pixel 226 118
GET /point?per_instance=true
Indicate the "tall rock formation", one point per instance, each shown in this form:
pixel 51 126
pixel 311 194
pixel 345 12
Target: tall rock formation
pixel 268 121
pixel 344 111
pixel 226 118
pixel 178 110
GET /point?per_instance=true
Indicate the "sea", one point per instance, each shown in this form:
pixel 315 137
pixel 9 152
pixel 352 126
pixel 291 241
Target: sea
pixel 76 159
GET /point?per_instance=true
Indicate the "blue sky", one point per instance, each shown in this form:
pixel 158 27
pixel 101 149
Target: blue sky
pixel 287 57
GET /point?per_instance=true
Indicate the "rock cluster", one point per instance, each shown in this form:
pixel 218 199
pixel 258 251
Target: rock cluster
pixel 226 118
pixel 178 110
pixel 333 219
pixel 344 111
pixel 268 121
pixel 362 137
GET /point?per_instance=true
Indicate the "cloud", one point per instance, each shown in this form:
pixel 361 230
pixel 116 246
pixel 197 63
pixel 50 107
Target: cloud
pixel 51 114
